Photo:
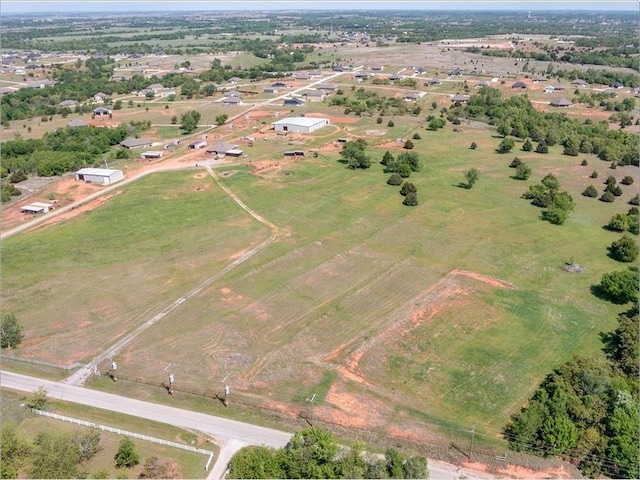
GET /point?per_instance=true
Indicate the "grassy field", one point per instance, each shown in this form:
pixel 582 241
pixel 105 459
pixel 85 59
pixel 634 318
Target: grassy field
pixel 361 300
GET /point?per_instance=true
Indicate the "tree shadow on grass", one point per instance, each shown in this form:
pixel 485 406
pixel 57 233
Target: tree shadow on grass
pixel 463 185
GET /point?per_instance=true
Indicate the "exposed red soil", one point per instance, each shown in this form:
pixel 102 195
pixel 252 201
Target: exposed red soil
pixel 516 471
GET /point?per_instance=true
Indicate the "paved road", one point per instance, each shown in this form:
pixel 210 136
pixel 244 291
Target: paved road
pixel 229 434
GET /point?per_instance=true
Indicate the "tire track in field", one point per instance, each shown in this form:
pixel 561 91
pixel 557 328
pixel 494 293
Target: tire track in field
pixel 80 376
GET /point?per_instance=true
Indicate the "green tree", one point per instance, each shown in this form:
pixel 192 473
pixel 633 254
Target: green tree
pixel 10 332
pixel 620 287
pixel 386 158
pixel 624 440
pixel 404 170
pixel 471 176
pixel 310 454
pixel 395 179
pixel 622 347
pixel 394 461
pixel 436 123
pixel 635 200
pixel 15 450
pixel 352 464
pixel 523 172
pixel 571 147
pixel 411 199
pixel 473 145
pixel 415 467
pixel 506 145
pixel 542 147
pixel 88 444
pixel 590 191
pixel 220 119
pixel 607 197
pixel 174 120
pixel 190 88
pixel 416 136
pixel 504 129
pixel 527 146
pixel 126 456
pixel 54 457
pixel 408 145
pixel 627 180
pixel 594 174
pixel 515 162
pixel 625 249
pixel 559 434
pixel 189 121
pixel 560 208
pixel 39 400
pixel 618 223
pixel 390 124
pixel 407 188
pixel 256 462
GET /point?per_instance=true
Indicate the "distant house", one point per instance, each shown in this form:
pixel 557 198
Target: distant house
pixel 270 90
pixel 455 72
pixel 560 102
pixel 520 85
pixel 292 102
pixel 459 98
pixel 483 83
pixel 558 87
pixel 234 80
pixel 617 85
pixel 548 89
pixel 327 86
pixel 102 176
pixel 233 93
pixel 156 87
pixel 395 78
pixel 231 101
pixel 540 79
pixel 99 97
pixel 411 96
pixel 136 143
pixel 146 92
pixel 224 148
pixel 434 81
pixel 76 122
pixel 167 92
pixel 376 68
pixel 101 111
pixel 578 82
pixel 315 95
pixel 302 76
pixel 68 103
pixel 197 145
pixel 279 85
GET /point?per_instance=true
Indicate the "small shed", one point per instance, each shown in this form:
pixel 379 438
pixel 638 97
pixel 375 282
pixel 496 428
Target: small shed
pixel 520 85
pixel 36 208
pixel 101 176
pixel 151 154
pixel 459 98
pixel 101 111
pixel 198 144
pixel 294 153
pixel 292 102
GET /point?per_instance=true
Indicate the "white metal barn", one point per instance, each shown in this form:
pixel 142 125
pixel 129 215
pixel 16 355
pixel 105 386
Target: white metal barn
pixel 300 124
pixel 102 176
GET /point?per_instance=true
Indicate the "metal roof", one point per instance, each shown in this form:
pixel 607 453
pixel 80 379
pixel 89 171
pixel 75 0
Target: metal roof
pixel 101 172
pixel 300 121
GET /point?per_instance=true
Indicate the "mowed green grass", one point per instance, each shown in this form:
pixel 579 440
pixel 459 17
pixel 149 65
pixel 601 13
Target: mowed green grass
pixel 351 261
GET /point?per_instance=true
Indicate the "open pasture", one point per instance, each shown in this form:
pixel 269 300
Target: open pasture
pixel 449 311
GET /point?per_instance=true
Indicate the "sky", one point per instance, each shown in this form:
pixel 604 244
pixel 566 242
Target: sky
pixel 91 6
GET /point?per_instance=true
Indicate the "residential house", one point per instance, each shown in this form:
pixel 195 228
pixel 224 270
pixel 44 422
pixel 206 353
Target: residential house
pixel 412 96
pixel 460 98
pixel 315 95
pixel 101 111
pixel 68 103
pixel 292 102
pixel 561 102
pixel 99 97
pixel 519 85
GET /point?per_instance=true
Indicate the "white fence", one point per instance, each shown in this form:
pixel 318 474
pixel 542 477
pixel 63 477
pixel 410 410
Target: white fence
pixel 118 431
pixel 38 362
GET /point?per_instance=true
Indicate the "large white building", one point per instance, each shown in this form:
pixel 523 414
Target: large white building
pixel 300 124
pixel 101 176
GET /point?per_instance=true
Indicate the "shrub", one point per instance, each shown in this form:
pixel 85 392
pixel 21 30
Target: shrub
pixel 618 223
pixel 379 120
pixel 408 187
pixel 523 172
pixel 613 166
pixel 411 200
pixel 590 191
pixel 390 124
pixel 635 200
pixel 17 176
pixel 594 174
pixel 505 145
pixel 584 162
pixel 610 181
pixel 615 189
pixel 395 179
pixel 515 162
pixel 607 197
pixel 408 145
pixel 527 146
pixel 404 170
pixel 542 147
pixel 625 249
pixel 473 145
pixel 620 287
pixel 416 136
pixel 627 180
